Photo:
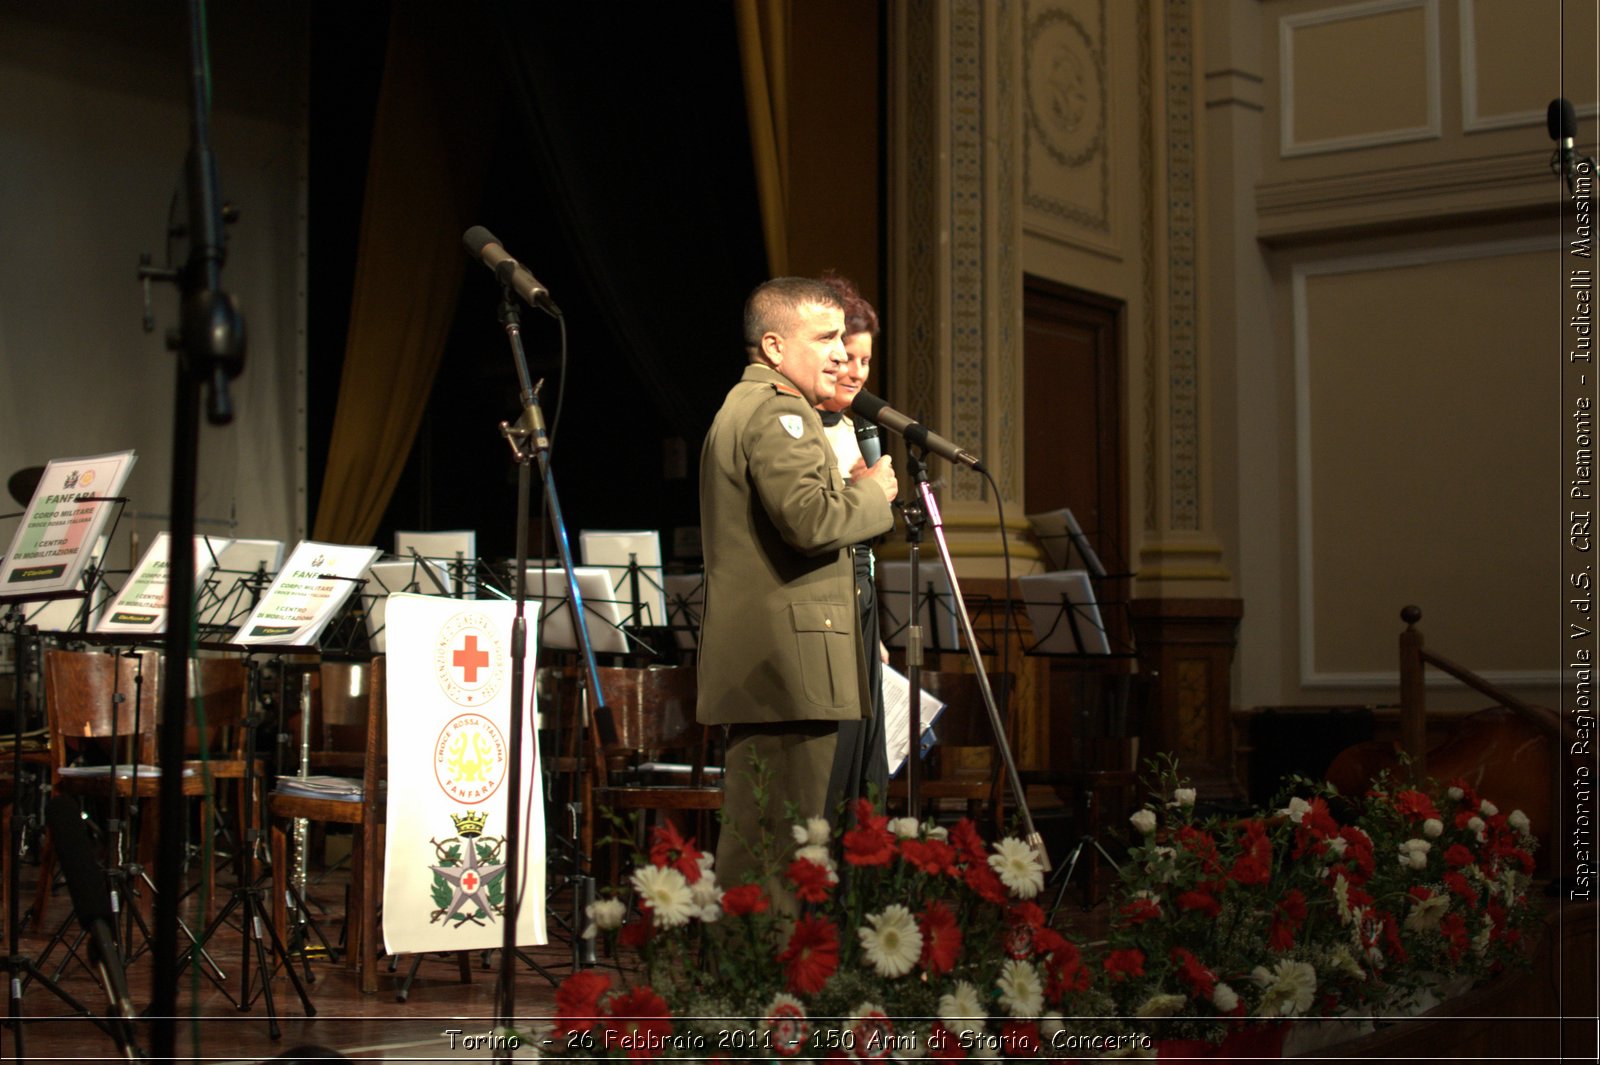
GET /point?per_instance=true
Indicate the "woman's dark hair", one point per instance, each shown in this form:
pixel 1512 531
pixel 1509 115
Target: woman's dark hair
pixel 859 317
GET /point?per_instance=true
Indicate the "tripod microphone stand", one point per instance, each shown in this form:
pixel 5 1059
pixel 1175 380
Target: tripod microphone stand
pixel 925 510
pixel 21 969
pixel 528 441
pixel 248 894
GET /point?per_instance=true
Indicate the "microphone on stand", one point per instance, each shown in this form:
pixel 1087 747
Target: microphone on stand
pixel 1561 121
pixel 871 408
pixel 487 247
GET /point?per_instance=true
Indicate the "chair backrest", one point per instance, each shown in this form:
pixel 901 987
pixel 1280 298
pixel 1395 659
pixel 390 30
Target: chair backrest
pixel 653 707
pixel 965 721
pixel 222 685
pixel 95 695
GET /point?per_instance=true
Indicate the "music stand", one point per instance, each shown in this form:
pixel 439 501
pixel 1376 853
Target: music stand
pixel 606 616
pixel 935 606
pixel 455 550
pixel 416 574
pixel 686 606
pixel 634 561
pixel 1068 618
pixel 242 570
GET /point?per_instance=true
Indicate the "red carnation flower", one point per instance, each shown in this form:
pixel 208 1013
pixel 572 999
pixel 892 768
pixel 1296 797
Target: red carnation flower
pixel 986 883
pixel 870 842
pixel 968 844
pixel 941 938
pixel 932 856
pixel 1019 1039
pixel 811 956
pixel 1287 917
pixel 578 1001
pixel 812 882
pixel 636 934
pixel 1457 856
pixel 1199 900
pixel 1202 981
pixel 1140 910
pixel 1121 964
pixel 744 899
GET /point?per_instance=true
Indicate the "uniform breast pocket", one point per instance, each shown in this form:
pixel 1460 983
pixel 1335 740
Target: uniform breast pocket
pixel 826 652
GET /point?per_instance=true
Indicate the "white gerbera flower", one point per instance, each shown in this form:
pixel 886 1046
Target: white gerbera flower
pixel 1519 821
pixel 1426 913
pixel 1021 990
pixel 1144 820
pixel 1160 1005
pixel 1018 866
pixel 1341 960
pixel 892 942
pixel 905 827
pixel 604 916
pixel 961 1010
pixel 814 833
pixel 1225 998
pixel 1289 988
pixel 705 891
pixel 667 894
pixel 1433 828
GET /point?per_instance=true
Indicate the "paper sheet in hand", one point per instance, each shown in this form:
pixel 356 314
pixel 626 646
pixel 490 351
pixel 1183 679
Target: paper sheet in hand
pixel 52 546
pixel 306 595
pixel 141 605
pixel 449 685
pixel 897 718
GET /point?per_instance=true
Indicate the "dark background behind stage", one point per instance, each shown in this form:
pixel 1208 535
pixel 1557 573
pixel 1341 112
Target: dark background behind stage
pixel 641 220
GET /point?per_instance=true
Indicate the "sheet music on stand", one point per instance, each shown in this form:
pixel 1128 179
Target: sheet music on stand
pixel 686 605
pixel 1066 616
pixel 313 586
pixel 241 571
pixel 606 616
pixel 1059 534
pixel 81 613
pixel 141 604
pixel 633 558
pixel 416 574
pixel 941 629
pixel 455 550
pixel 64 521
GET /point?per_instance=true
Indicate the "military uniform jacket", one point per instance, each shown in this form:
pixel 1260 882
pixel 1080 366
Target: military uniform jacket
pixel 779 636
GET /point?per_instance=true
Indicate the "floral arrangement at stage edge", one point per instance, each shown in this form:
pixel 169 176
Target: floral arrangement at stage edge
pixel 916 942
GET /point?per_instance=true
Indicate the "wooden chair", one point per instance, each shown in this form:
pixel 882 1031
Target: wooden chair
pixel 964 765
pixel 352 706
pixel 221 686
pixel 91 699
pixel 654 710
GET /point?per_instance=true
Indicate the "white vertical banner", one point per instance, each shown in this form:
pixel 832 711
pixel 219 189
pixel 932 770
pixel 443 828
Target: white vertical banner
pixel 449 689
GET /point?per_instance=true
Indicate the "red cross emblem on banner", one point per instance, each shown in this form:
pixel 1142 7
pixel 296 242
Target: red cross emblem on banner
pixel 469 659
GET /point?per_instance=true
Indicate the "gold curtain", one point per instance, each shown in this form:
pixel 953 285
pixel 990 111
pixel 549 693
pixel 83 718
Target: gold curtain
pixel 423 175
pixel 763 57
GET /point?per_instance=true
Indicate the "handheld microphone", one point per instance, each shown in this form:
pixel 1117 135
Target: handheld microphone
pixel 873 409
pixel 1561 121
pixel 485 246
pixel 868 441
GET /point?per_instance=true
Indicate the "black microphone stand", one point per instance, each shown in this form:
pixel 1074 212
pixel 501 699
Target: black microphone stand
pixel 210 346
pixel 928 512
pixel 528 440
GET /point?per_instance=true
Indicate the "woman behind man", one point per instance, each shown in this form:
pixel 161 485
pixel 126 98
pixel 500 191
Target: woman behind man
pixel 861 765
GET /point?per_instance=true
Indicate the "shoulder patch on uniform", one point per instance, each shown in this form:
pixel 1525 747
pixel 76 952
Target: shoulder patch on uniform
pixel 791 424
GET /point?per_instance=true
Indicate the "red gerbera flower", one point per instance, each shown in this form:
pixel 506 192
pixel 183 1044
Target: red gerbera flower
pixel 669 849
pixel 1199 900
pixel 1202 981
pixel 941 938
pixel 578 1001
pixel 1415 805
pixel 640 1023
pixel 968 844
pixel 744 899
pixel 1019 1039
pixel 811 956
pixel 932 856
pixel 1064 971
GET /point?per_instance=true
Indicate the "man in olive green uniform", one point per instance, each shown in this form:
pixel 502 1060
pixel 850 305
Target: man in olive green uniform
pixel 781 658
